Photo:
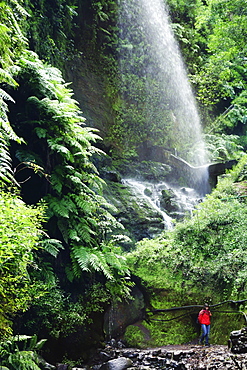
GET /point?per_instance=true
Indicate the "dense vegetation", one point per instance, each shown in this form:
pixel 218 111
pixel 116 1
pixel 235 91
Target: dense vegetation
pixel 61 262
pixel 202 260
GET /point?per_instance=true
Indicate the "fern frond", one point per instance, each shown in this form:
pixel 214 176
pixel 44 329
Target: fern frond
pixel 15 26
pixel 71 274
pixel 84 232
pixel 74 179
pixel 58 207
pixel 91 261
pixel 117 261
pixel 19 8
pixel 82 204
pixel 6 171
pixel 63 227
pixel 81 256
pixel 56 182
pixel 27 156
pixel 9 132
pixel 51 246
pixel 7 78
pixel 98 263
pixel 40 132
pixel 69 203
pixel 60 149
pixel 73 235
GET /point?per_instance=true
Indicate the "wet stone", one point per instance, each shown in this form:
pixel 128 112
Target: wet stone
pixel 120 363
pixel 184 358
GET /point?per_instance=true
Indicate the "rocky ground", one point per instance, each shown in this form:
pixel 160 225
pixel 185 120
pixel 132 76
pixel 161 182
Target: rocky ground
pixel 170 357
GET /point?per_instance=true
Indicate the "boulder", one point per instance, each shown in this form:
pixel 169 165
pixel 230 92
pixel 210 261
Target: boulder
pixel 62 367
pixel 120 315
pixel 120 363
pixel 238 341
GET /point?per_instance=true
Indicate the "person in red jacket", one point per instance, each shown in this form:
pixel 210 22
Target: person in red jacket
pixel 204 319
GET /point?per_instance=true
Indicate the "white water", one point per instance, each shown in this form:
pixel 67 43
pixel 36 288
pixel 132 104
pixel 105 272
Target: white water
pixel 150 51
pixel 186 198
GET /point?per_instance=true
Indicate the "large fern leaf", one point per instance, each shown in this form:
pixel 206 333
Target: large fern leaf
pixel 89 260
pixel 52 246
pixel 81 257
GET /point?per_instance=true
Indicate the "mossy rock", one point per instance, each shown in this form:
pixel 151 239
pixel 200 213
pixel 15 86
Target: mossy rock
pixel 145 170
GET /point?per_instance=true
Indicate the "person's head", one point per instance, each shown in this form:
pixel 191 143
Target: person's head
pixel 206 306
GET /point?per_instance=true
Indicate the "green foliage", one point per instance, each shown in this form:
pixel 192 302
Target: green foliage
pixel 59 314
pixel 134 337
pixel 74 190
pixel 19 236
pixel 51 30
pixel 223 147
pixel 171 332
pixel 12 42
pixel 20 353
pixel 222 79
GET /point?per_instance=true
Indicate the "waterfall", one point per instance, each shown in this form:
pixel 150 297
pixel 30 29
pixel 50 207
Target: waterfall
pixel 184 199
pixel 139 188
pixel 154 83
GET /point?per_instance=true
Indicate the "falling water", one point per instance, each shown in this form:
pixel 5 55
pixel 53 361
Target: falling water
pixel 186 198
pixel 139 188
pixel 149 53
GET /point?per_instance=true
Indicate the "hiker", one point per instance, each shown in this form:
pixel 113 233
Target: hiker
pixel 204 319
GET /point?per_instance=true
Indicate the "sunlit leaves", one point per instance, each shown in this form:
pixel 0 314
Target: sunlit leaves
pixel 19 235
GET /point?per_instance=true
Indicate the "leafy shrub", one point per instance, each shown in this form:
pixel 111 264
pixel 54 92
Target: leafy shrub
pixel 19 236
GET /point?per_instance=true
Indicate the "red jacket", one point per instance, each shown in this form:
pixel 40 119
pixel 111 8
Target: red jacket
pixel 204 317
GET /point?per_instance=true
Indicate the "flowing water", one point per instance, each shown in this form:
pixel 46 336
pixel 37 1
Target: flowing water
pixel 149 53
pixel 183 200
pixel 153 199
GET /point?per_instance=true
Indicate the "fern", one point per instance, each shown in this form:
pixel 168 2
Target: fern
pixel 53 144
pixel 77 212
pixel 20 352
pixel 84 232
pixel 88 260
pixel 82 203
pixel 40 132
pixel 52 246
pixel 19 8
pixel 80 256
pixel 7 78
pixel 98 263
pixel 73 235
pixel 63 226
pixel 8 131
pixel 6 172
pixel 56 182
pixel 16 28
pixel 74 179
pixel 58 207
